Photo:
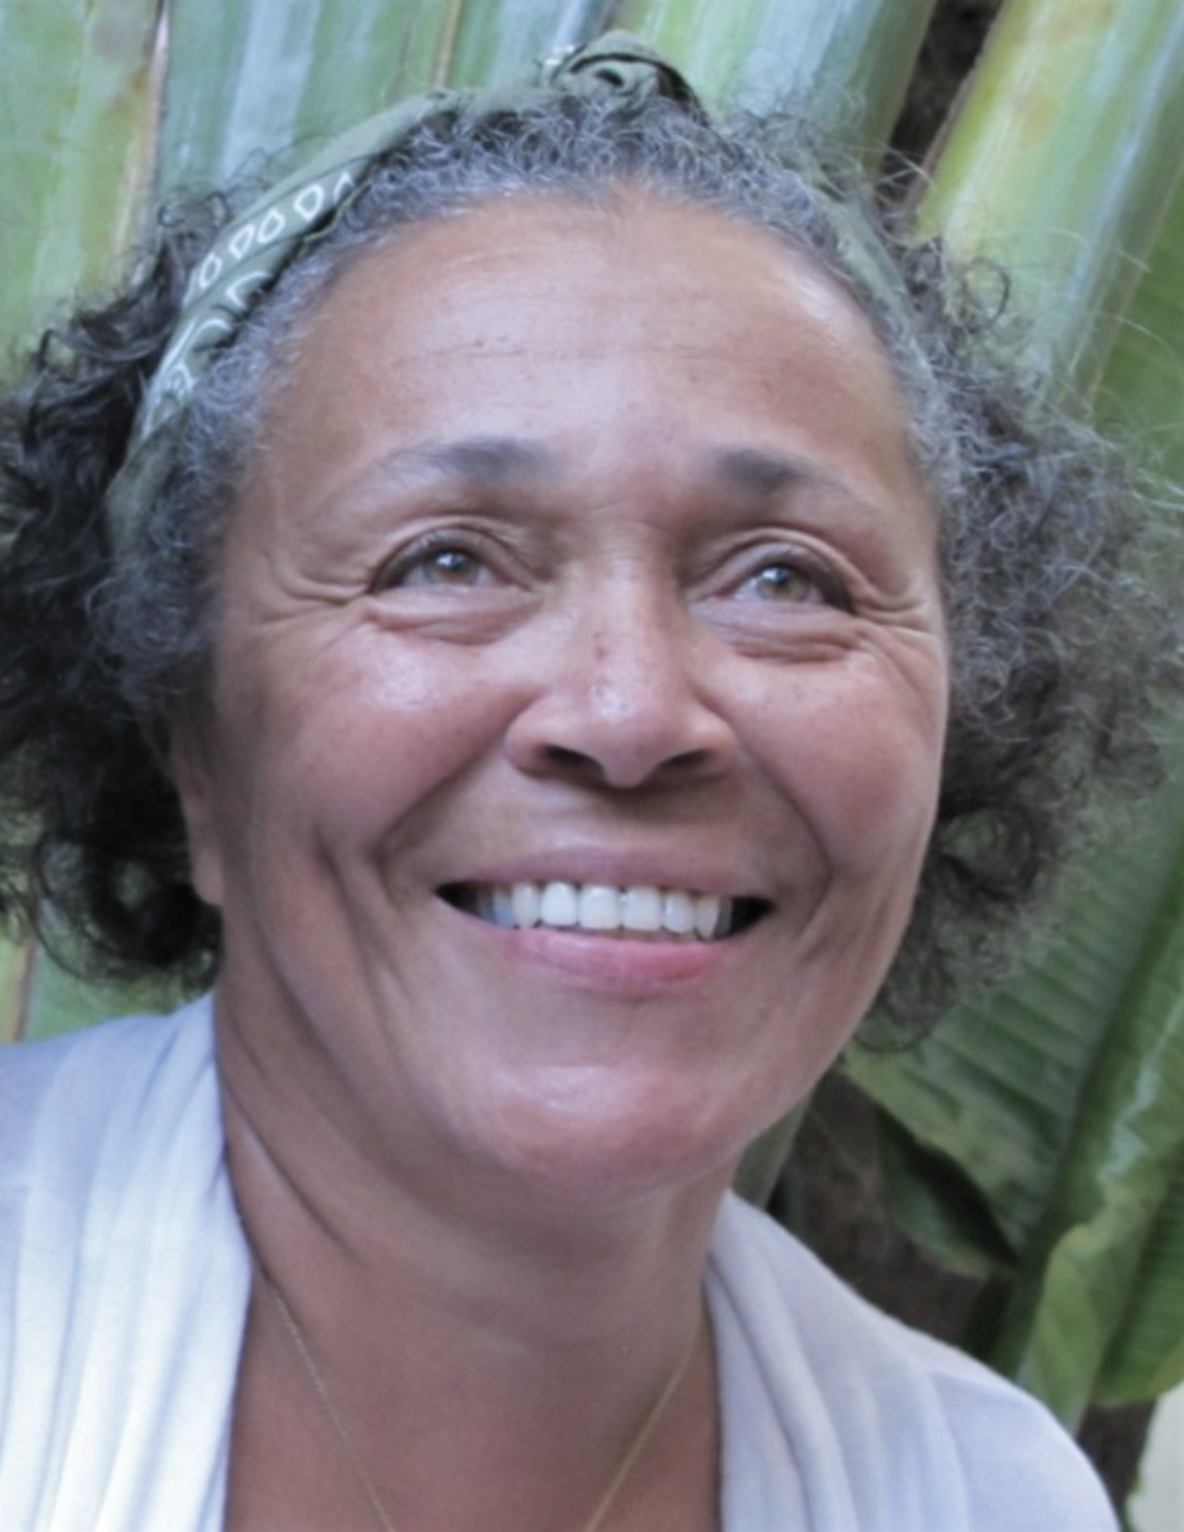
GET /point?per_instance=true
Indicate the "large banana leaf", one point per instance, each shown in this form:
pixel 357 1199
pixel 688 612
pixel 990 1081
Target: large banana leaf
pixel 1061 162
pixel 1056 1109
pixel 77 113
pixel 78 100
pixel 1144 388
pixel 492 42
pixel 850 62
pixel 273 74
pixel 1061 1102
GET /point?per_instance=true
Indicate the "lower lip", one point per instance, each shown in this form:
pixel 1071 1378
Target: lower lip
pixel 614 961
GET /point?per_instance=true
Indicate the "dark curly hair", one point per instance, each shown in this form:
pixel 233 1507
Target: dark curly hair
pixel 1059 647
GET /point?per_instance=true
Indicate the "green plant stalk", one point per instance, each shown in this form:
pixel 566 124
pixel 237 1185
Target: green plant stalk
pixel 273 77
pixel 16 973
pixel 1071 1295
pixel 1061 162
pixel 79 87
pixel 848 64
pixel 1146 1353
pixel 1059 1102
pixel 495 39
pixel 1142 390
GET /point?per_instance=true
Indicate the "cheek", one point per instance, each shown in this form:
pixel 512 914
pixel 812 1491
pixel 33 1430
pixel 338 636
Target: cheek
pixel 355 738
pixel 862 759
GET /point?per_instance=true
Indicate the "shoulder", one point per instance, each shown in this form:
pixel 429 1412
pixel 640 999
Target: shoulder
pixel 123 1278
pixel 902 1419
pixel 78 1104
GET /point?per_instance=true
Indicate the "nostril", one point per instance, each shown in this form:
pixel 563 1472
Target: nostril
pixel 577 760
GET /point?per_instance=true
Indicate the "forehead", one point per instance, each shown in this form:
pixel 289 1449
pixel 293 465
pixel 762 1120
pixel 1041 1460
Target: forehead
pixel 551 319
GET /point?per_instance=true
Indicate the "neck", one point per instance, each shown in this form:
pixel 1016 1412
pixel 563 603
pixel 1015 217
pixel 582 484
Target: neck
pixel 524 1336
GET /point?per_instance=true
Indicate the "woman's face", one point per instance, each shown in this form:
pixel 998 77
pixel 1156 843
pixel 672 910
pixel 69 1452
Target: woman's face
pixel 585 558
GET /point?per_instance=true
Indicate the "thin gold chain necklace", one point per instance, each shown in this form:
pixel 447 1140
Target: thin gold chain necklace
pixel 366 1483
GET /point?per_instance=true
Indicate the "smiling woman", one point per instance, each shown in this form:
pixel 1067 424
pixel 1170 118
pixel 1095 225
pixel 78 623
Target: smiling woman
pixel 527 635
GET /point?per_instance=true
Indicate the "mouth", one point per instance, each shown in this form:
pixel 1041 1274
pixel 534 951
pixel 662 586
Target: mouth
pixel 640 912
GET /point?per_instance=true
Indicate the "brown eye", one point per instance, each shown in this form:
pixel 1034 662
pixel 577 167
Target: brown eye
pixel 781 580
pixel 440 566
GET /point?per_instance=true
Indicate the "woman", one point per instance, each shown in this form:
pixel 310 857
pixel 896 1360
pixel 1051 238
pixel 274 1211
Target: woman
pixel 527 621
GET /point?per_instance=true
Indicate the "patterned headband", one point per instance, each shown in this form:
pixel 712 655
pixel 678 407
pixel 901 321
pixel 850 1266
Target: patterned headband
pixel 249 255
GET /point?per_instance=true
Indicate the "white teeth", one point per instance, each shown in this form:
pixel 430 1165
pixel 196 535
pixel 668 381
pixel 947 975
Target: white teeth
pixel 560 905
pixel 707 912
pixel 641 909
pixel 678 913
pixel 601 907
pixel 525 900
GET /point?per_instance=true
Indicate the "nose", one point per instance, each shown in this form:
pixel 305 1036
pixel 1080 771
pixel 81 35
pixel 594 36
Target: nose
pixel 617 701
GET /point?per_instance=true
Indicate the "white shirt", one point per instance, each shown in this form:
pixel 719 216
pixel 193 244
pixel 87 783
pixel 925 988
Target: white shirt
pixel 124 1279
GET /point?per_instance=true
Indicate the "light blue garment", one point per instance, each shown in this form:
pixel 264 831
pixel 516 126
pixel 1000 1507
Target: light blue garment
pixel 124 1280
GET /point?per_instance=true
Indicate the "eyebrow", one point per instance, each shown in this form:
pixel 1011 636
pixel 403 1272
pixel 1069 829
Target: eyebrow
pixel 764 474
pixel 500 459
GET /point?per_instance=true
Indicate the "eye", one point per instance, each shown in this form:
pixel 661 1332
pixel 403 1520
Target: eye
pixel 794 582
pixel 435 563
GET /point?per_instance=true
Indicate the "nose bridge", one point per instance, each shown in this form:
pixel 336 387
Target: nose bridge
pixel 617 697
pixel 632 648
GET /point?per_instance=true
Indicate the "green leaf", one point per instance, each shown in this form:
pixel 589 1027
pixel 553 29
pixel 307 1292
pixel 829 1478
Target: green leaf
pixel 1145 1357
pixel 79 98
pixel 1061 162
pixel 274 75
pixel 932 1199
pixel 16 961
pixel 1142 390
pixel 1060 1099
pixel 497 38
pixel 850 63
pixel 57 1001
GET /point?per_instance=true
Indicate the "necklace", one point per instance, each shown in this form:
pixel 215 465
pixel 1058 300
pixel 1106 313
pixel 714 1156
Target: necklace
pixel 366 1483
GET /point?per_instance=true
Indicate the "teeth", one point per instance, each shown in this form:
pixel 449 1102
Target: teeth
pixel 707 913
pixel 560 905
pixel 525 901
pixel 641 909
pixel 601 907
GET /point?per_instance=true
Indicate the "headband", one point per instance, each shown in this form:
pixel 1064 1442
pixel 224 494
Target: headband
pixel 251 253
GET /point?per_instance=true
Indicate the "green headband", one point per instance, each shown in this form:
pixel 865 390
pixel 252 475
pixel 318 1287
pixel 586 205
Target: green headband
pixel 250 254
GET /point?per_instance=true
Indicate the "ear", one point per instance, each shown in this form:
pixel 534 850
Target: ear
pixel 193 777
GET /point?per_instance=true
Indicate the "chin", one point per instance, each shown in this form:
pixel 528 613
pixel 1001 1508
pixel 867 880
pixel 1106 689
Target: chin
pixel 637 1144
